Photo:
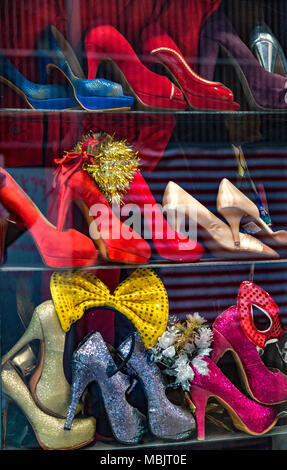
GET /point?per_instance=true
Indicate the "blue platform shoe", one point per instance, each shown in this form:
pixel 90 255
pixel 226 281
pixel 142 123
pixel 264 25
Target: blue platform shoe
pixel 37 96
pixel 98 94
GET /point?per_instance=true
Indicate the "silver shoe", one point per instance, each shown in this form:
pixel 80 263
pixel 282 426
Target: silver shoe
pixel 165 420
pixel 267 48
pixel 92 361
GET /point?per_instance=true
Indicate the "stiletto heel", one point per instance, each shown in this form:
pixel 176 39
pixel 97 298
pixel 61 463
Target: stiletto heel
pixel 92 361
pixel 37 96
pixel 165 420
pixel 233 216
pixel 248 416
pixel 81 377
pixel 234 330
pixel 48 429
pixel 199 398
pixel 150 90
pixel 4 422
pixel 98 94
pixel 198 92
pixel 57 249
pixel 238 210
pixel 267 48
pixel 48 384
pixel 217 235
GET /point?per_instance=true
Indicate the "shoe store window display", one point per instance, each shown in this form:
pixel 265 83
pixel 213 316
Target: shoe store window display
pixel 112 339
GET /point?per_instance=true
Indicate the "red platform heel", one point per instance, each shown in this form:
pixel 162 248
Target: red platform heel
pixel 57 249
pixel 168 243
pixel 199 93
pixel 105 43
pixel 116 241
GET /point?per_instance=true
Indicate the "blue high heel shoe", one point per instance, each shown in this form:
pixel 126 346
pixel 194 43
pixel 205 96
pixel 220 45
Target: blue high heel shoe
pixel 92 362
pixel 98 94
pixel 36 95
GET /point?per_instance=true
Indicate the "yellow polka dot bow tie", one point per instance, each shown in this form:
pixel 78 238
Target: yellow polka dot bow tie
pixel 142 298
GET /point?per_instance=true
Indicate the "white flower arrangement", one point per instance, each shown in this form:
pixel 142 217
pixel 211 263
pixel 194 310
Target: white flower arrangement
pixel 182 345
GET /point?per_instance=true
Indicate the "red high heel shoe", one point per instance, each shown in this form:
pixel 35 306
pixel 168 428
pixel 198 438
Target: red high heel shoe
pixel 105 43
pixel 169 244
pixel 199 93
pixel 115 240
pixel 57 248
pixel 247 415
pixel 234 330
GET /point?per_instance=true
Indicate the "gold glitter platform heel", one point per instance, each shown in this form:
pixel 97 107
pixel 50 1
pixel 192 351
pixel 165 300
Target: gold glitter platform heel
pixel 48 385
pixel 49 431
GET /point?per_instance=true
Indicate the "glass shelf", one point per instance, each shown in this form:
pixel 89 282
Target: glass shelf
pixel 215 438
pixel 16 111
pixel 153 265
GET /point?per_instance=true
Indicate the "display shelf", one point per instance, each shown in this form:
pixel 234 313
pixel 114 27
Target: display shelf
pixel 152 265
pixel 194 112
pixel 214 437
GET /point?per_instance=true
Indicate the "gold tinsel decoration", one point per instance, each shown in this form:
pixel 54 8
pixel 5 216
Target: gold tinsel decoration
pixel 113 166
pixel 188 331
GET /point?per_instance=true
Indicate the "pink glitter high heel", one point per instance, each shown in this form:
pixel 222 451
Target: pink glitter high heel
pixel 234 330
pixel 247 415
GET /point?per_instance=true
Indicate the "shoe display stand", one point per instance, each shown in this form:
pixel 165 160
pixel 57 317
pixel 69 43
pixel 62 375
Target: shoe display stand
pixel 196 149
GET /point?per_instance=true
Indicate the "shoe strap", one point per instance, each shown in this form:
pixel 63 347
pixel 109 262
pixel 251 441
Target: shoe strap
pixel 111 370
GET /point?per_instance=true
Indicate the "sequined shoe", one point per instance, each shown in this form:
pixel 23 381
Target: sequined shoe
pixel 247 415
pixel 48 385
pixel 91 362
pixel 234 330
pixel 48 430
pixel 165 420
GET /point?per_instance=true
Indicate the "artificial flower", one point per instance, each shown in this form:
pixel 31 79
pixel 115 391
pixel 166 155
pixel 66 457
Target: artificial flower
pixel 184 343
pixel 167 339
pixel 203 337
pixel 169 352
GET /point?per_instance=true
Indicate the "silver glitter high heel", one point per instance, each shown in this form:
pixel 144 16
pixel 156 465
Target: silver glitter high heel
pixel 267 48
pixel 165 420
pixel 91 362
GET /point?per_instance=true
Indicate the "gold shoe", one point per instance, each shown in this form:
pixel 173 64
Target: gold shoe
pixel 216 234
pixel 238 210
pixel 49 430
pixel 48 385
